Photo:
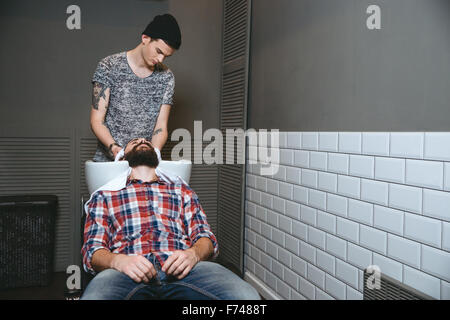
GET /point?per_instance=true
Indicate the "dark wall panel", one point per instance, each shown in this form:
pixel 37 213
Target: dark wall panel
pixel 315 66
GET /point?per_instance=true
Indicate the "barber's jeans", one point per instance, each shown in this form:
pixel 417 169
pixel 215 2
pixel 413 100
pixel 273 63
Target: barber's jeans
pixel 207 280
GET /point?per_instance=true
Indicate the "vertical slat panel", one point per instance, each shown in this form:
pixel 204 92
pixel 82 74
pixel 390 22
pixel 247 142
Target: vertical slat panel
pixel 233 112
pixel 87 151
pixel 235 29
pixel 34 165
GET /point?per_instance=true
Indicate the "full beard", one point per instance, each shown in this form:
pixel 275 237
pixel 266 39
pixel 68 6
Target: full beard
pixel 142 157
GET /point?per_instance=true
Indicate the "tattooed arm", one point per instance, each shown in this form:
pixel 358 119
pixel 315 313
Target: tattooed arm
pixel 160 132
pixel 100 101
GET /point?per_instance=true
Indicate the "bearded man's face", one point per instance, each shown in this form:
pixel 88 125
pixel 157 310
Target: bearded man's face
pixel 140 152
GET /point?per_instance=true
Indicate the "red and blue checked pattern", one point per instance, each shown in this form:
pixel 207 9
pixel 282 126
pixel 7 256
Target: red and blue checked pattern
pixel 144 219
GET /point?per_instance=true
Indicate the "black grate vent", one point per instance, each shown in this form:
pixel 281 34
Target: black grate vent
pixel 27 231
pixel 389 289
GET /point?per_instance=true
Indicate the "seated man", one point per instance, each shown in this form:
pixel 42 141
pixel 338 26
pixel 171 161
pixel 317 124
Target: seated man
pixel 151 240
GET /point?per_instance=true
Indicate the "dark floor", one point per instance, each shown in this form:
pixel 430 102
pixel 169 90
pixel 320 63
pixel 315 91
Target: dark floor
pixel 54 291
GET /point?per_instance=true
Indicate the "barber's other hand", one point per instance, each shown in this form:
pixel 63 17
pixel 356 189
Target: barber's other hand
pixel 137 268
pixel 180 263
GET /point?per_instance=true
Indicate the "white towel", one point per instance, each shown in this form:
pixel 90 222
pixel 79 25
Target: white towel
pixel 115 184
pixel 168 177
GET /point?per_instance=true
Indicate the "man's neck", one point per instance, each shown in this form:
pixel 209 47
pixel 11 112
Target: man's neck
pixel 135 58
pixel 144 173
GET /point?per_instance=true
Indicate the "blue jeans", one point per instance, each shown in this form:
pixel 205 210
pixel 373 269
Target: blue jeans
pixel 207 280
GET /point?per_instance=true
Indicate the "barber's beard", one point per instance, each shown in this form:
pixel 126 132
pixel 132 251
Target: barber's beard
pixel 142 157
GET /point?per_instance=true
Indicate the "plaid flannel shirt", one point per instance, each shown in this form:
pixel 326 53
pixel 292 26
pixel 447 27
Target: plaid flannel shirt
pixel 146 219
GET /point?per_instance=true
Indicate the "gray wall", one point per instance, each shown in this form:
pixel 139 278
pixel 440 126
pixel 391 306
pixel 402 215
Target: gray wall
pixel 46 68
pixel 45 90
pixel 316 67
pixel 197 66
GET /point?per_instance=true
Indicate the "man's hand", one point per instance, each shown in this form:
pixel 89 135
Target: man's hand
pixel 137 268
pixel 180 263
pixel 115 150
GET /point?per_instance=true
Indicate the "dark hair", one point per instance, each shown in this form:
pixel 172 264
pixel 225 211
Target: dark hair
pixel 165 27
pixel 168 42
pixel 146 157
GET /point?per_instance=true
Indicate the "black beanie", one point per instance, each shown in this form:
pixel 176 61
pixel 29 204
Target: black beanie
pixel 165 27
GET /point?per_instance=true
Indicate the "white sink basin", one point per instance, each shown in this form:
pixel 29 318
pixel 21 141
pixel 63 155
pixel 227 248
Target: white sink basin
pixel 99 173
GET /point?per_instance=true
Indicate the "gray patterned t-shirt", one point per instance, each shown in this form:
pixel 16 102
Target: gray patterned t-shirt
pixel 134 102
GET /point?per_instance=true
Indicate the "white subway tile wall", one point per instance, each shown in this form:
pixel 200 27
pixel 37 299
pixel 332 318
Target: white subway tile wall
pixel 447 176
pixel 407 145
pixel 375 143
pixel 342 201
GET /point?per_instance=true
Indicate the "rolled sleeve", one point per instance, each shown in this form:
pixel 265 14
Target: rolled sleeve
pixel 195 220
pixel 96 231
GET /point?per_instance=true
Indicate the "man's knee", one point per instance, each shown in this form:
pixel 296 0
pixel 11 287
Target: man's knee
pixel 229 285
pixel 244 291
pixel 106 285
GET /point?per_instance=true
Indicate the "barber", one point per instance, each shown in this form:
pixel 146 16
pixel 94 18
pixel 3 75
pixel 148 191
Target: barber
pixel 133 91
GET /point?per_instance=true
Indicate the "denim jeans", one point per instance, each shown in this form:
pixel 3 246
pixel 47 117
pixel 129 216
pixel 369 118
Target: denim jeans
pixel 207 280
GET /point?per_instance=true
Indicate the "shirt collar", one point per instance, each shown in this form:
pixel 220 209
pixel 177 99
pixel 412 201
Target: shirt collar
pixel 139 181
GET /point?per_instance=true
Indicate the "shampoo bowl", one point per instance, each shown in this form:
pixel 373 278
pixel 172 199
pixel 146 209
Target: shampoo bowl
pixel 99 173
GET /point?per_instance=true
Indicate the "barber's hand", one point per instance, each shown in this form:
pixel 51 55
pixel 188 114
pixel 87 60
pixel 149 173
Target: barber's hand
pixel 137 268
pixel 115 150
pixel 180 263
pixel 119 155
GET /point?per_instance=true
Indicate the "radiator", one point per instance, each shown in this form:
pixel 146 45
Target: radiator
pixel 388 288
pixel 27 226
